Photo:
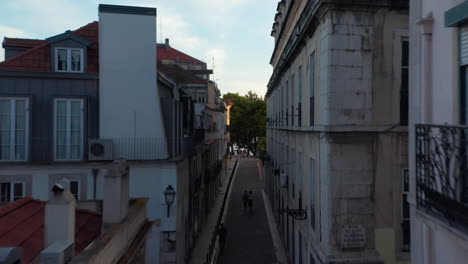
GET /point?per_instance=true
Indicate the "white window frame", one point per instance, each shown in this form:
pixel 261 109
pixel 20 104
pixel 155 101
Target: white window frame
pixel 201 99
pixel 68 59
pixel 13 126
pixel 12 189
pixel 68 136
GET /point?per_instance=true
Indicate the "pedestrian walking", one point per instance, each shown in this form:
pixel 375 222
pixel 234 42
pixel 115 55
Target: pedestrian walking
pixel 222 236
pixel 245 199
pixel 250 201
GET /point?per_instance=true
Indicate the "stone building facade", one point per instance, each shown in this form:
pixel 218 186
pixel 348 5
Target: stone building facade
pixel 337 130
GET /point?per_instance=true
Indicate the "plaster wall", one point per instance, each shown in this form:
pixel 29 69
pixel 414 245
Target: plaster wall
pixel 434 99
pixel 129 98
pixel 442 105
pixel 39 179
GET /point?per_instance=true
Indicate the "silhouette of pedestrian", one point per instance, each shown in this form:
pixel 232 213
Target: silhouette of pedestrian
pixel 245 199
pixel 250 197
pixel 222 236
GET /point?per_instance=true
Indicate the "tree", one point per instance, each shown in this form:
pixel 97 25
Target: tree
pixel 248 120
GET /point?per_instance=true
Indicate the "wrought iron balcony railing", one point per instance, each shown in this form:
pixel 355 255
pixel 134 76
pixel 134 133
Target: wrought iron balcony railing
pixel 441 172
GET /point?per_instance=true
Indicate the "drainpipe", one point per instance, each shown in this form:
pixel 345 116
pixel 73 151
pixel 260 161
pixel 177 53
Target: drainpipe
pixel 95 173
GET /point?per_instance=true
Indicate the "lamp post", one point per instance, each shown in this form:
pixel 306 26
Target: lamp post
pixel 169 194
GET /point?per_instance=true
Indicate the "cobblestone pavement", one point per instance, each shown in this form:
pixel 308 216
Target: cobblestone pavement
pixel 248 234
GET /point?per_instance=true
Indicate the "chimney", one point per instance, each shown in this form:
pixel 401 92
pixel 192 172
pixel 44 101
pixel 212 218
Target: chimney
pixel 60 215
pixel 116 192
pixel 11 255
pixel 166 44
pixel 128 78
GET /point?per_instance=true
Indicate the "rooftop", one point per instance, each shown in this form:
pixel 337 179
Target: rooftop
pixel 22 225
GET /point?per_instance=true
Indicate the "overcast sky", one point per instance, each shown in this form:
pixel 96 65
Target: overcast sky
pixel 236 33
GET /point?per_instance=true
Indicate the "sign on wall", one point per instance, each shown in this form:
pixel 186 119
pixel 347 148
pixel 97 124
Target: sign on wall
pixel 353 236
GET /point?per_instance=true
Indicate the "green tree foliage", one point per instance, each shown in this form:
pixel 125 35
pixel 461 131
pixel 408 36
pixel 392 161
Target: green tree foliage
pixel 248 120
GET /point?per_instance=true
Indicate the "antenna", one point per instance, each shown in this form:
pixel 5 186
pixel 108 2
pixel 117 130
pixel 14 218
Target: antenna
pixel 213 67
pixel 160 30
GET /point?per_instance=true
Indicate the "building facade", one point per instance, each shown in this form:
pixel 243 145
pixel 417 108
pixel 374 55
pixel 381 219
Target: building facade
pixel 337 130
pixel 73 103
pixel 438 118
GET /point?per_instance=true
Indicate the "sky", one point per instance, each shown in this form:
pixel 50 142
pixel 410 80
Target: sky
pixel 234 34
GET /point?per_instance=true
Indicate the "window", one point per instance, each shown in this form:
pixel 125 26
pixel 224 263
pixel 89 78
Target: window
pixel 312 193
pixel 68 60
pixel 405 215
pixel 404 83
pixel 292 99
pixel 300 179
pixel 75 189
pixel 287 103
pixel 11 191
pixel 311 259
pixel 299 96
pixel 68 120
pixel 13 129
pixel 300 244
pixel 293 178
pixel 201 99
pixel 463 52
pixel 312 89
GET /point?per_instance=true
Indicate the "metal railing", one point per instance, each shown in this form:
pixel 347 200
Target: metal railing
pixel 214 235
pixel 441 172
pixel 137 148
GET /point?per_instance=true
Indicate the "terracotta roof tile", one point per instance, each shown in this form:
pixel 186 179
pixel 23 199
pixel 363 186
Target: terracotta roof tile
pixel 22 225
pixel 22 43
pixel 173 54
pixel 38 59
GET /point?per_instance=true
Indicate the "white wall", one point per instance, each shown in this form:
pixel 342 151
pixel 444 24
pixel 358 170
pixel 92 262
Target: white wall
pixel 129 99
pixel 151 182
pixel 444 77
pixel 40 179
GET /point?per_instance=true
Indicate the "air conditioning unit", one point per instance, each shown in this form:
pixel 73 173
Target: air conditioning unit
pixel 60 252
pixel 283 180
pixel 100 149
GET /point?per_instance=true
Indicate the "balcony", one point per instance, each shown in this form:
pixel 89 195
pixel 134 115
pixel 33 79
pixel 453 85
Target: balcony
pixel 441 173
pixel 128 148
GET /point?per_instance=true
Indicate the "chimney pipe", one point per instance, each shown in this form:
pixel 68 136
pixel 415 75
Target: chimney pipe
pixel 60 214
pixel 116 192
pixel 166 44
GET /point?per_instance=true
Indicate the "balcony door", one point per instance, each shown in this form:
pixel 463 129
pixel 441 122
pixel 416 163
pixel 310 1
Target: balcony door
pixel 464 73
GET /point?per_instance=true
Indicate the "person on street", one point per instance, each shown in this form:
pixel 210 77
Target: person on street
pixel 245 199
pixel 250 201
pixel 222 237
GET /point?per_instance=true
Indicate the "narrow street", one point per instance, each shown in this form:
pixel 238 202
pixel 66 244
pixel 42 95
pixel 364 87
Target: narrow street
pixel 248 234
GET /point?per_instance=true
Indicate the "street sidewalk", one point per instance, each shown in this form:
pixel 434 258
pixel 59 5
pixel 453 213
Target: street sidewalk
pixel 203 240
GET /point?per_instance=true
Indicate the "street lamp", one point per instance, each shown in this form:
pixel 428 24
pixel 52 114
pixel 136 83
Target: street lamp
pixel 169 194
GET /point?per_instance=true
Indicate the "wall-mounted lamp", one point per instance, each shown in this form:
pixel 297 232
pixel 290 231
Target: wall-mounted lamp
pixel 169 194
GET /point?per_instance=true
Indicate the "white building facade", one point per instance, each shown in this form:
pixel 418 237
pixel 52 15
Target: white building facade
pixel 437 131
pixel 337 130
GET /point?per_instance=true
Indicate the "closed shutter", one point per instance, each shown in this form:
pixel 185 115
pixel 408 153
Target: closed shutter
pixel 464 45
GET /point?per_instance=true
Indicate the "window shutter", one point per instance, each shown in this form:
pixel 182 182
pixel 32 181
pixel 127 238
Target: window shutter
pixel 464 45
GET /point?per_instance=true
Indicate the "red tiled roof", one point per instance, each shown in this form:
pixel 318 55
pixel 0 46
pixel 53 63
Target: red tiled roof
pixel 22 43
pixel 174 55
pixel 22 225
pixel 180 75
pixel 38 58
